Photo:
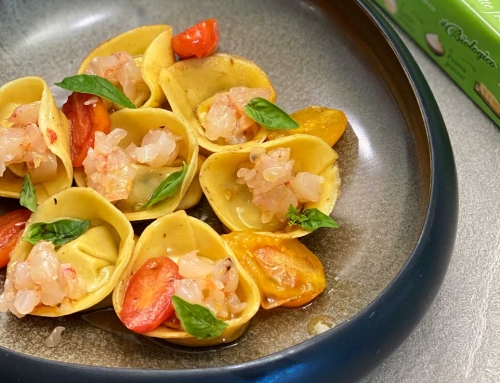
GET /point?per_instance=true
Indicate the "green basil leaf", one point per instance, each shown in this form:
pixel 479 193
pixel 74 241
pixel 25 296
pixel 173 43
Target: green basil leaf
pixel 28 194
pixel 269 115
pixel 166 189
pixel 98 86
pixel 310 219
pixel 197 320
pixel 58 232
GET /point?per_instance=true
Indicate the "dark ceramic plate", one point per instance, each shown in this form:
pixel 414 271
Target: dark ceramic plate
pixel 397 212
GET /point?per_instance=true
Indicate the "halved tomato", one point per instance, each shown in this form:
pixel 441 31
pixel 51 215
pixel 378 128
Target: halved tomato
pixel 200 40
pixel 86 117
pixel 148 297
pixel 11 228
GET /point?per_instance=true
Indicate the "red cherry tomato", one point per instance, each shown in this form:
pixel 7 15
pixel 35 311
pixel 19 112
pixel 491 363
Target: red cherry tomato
pixel 200 40
pixel 148 297
pixel 11 228
pixel 85 120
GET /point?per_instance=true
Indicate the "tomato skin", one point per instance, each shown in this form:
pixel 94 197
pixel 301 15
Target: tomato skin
pixel 11 228
pixel 85 120
pixel 200 40
pixel 148 297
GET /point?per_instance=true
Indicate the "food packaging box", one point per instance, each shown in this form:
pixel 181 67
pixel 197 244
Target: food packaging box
pixel 462 37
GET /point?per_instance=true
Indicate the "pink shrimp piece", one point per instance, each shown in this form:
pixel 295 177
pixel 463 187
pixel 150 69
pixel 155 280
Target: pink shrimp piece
pixel 13 142
pixel 192 266
pixel 24 115
pixel 226 117
pixel 307 187
pixel 240 96
pixel 108 167
pixel 221 120
pixel 190 290
pixel 210 284
pixel 74 286
pixel 24 142
pixel 270 170
pixel 275 186
pixel 158 148
pixel 275 203
pixel 119 68
pixel 40 279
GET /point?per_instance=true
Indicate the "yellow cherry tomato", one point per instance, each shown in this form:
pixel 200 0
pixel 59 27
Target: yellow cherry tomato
pixel 327 124
pixel 286 272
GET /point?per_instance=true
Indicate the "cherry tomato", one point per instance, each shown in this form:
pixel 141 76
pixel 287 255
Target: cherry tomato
pixel 148 297
pixel 327 124
pixel 200 40
pixel 85 121
pixel 287 273
pixel 11 228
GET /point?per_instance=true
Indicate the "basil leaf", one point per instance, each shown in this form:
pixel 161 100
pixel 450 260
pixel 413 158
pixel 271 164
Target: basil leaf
pixel 58 232
pixel 166 189
pixel 310 219
pixel 197 320
pixel 28 194
pixel 98 86
pixel 269 115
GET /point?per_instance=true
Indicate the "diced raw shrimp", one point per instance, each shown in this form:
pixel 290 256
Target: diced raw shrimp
pixel 24 115
pixel 192 266
pixel 188 289
pixel 13 142
pixel 26 300
pixel 275 186
pixel 119 68
pixel 275 202
pixel 222 121
pixel 108 167
pixel 74 286
pixel 158 148
pixel 235 305
pixel 225 272
pixel 241 95
pixel 40 279
pixel 210 284
pixel 24 142
pixel 270 170
pixel 307 187
pixel 44 263
pixel 226 117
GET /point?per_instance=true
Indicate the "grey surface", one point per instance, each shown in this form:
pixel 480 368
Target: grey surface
pixel 459 339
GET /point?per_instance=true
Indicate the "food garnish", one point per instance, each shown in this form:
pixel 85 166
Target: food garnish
pixel 325 123
pixel 166 189
pixel 28 194
pixel 96 85
pixel 310 219
pixel 197 320
pixel 58 232
pixel 269 115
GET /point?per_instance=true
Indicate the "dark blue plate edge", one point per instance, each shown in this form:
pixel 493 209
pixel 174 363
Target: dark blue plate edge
pixel 352 349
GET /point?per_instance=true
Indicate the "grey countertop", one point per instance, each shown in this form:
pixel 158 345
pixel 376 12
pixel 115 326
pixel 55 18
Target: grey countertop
pixel 459 338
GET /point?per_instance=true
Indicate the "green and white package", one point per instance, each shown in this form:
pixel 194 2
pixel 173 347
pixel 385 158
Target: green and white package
pixel 463 37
